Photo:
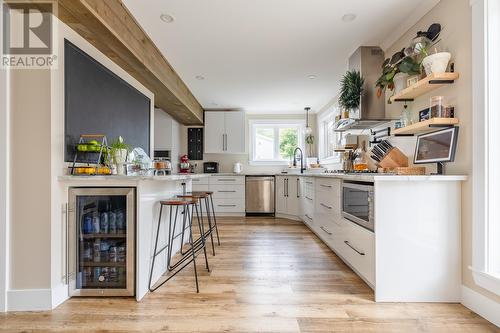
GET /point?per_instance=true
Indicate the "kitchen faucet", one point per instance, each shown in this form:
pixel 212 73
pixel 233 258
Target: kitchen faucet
pixel 301 159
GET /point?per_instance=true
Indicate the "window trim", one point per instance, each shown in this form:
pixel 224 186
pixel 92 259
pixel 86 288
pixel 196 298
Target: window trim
pixel 485 55
pixel 327 116
pixel 299 123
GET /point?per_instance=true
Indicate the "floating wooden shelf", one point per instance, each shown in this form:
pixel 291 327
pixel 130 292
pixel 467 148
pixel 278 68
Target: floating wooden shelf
pixel 426 126
pixel 425 85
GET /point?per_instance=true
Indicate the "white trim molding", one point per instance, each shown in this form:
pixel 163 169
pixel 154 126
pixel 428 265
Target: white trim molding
pixel 482 305
pixel 29 300
pixel 486 78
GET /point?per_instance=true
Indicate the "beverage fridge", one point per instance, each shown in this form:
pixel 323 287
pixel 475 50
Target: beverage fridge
pixel 101 244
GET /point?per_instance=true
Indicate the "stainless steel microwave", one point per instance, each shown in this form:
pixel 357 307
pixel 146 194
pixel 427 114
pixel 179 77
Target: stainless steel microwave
pixel 358 203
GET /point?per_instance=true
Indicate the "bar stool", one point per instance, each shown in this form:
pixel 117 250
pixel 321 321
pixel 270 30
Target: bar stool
pixel 189 206
pixel 206 196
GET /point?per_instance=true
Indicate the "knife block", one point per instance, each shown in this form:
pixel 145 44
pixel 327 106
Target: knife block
pixel 394 159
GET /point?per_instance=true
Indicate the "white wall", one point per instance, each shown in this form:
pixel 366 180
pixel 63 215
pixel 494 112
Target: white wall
pixel 4 162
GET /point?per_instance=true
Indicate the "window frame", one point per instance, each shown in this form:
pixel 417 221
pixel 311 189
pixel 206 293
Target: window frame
pixel 323 120
pixel 486 182
pixel 276 124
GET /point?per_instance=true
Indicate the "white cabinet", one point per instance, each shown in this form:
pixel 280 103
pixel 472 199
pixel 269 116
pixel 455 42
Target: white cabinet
pixel 288 195
pixel 224 132
pixel 306 200
pixel 228 193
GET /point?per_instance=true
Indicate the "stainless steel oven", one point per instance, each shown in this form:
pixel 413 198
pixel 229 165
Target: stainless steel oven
pixel 358 203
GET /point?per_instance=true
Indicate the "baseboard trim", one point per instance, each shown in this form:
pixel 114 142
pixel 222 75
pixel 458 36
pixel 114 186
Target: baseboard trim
pixel 29 300
pixel 59 295
pixel 482 305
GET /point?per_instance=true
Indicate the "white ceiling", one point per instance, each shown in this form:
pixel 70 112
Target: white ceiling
pixel 256 55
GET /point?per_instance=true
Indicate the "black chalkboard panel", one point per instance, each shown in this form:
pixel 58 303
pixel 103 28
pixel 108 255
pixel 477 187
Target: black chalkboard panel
pixel 195 143
pixel 97 101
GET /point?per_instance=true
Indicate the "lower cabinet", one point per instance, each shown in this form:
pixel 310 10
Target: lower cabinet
pixel 228 192
pixel 288 195
pixel 321 205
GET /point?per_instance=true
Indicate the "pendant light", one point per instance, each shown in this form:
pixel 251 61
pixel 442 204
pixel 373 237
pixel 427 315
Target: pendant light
pixel 308 129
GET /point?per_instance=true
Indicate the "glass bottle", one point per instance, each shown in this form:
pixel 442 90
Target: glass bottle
pixel 360 162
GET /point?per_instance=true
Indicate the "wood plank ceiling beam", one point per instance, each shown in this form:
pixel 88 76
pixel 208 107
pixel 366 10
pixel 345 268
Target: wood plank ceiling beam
pixel 109 26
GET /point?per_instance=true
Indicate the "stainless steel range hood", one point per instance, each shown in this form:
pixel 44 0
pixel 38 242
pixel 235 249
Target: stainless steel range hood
pixel 368 61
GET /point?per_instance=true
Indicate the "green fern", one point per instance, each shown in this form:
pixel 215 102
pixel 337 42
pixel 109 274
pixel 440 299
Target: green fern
pixel 351 90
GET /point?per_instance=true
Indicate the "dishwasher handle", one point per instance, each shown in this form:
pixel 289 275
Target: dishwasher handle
pixel 259 179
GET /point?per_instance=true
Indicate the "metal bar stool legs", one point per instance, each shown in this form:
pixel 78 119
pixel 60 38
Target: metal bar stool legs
pixel 215 220
pixel 185 260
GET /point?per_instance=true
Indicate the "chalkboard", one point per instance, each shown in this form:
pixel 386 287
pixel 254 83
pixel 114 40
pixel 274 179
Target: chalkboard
pixel 97 101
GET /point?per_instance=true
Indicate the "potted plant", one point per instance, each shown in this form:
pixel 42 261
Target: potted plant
pixel 119 151
pixel 351 88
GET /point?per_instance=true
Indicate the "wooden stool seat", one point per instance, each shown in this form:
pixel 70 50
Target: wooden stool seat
pixel 181 201
pixel 194 194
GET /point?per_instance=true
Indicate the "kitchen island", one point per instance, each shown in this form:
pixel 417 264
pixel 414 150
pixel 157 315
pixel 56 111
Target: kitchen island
pixel 149 190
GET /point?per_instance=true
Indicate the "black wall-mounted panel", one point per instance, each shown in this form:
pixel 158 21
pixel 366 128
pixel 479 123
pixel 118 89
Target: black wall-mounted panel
pixel 97 101
pixel 195 143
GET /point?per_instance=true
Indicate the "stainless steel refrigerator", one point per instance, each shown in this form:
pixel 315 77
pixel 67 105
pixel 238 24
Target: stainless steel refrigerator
pixel 101 241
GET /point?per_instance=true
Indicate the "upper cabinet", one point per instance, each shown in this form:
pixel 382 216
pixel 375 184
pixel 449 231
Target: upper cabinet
pixel 224 132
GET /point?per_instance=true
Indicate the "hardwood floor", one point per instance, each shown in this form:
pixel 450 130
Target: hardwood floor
pixel 268 276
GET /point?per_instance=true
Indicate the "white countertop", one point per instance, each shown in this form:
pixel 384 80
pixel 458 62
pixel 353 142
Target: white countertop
pixel 356 177
pixel 173 177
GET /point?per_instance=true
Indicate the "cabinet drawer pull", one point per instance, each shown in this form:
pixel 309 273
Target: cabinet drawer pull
pixel 226 191
pixel 310 218
pixel 226 205
pixel 352 247
pixel 322 204
pixel 327 186
pixel 226 180
pixel 328 232
pixel 308 198
pixel 310 183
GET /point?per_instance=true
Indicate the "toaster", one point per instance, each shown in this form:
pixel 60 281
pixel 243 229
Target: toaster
pixel 210 167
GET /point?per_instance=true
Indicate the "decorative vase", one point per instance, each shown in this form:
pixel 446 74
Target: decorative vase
pixel 120 157
pixel 436 63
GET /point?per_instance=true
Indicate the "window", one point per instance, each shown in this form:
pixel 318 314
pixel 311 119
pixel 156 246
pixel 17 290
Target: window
pixel 486 135
pixel 273 142
pixel 329 140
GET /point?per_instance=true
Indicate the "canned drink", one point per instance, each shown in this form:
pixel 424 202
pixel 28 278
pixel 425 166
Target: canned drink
pixel 104 223
pixel 104 247
pixel 97 274
pixel 96 224
pixel 87 251
pixel 97 250
pixel 87 275
pixel 113 274
pixel 112 223
pixel 87 224
pixel 120 221
pixel 122 253
pixel 113 254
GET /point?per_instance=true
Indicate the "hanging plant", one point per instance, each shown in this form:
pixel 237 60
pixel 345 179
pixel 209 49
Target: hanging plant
pixel 351 88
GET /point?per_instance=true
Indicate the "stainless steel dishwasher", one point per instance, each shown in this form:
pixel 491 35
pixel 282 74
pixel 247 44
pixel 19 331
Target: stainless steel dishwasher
pixel 259 195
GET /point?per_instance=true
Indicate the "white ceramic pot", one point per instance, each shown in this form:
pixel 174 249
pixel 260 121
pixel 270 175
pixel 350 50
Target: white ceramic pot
pixel 436 63
pixel 120 157
pixel 237 168
pixel 399 82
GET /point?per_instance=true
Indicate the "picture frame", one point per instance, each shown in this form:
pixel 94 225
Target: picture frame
pixel 424 115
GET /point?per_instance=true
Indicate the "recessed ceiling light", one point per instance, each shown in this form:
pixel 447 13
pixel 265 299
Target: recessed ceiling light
pixel 349 17
pixel 167 18
pixel 200 77
pixel 311 77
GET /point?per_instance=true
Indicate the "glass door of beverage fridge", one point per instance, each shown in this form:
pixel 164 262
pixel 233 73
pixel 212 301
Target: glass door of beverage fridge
pixel 101 241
